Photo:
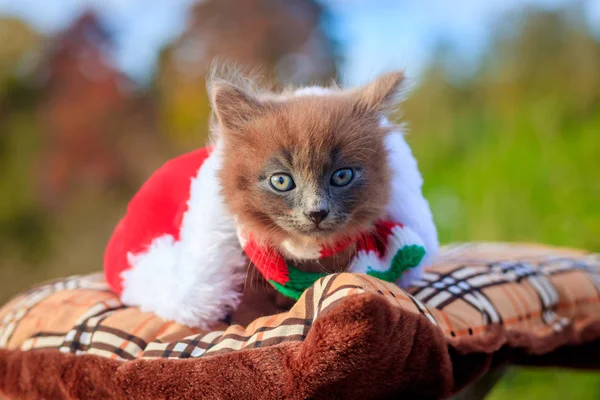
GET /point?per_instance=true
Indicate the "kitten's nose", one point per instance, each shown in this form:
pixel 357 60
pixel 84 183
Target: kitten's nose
pixel 317 216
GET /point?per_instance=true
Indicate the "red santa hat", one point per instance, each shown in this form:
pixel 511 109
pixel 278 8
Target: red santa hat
pixel 175 251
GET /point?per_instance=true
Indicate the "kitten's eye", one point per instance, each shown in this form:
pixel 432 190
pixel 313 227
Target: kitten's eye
pixel 342 177
pixel 282 182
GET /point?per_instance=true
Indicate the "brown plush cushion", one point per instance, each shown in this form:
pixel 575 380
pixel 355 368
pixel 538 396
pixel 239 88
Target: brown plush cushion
pixel 479 306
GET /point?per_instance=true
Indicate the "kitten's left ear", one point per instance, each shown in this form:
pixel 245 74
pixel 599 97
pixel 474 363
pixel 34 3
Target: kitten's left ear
pixel 383 94
pixel 233 106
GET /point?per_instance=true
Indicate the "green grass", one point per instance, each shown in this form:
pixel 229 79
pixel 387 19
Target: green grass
pixel 513 185
pixel 552 384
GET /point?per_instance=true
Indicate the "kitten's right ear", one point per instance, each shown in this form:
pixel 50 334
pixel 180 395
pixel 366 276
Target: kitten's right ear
pixel 233 106
pixel 382 94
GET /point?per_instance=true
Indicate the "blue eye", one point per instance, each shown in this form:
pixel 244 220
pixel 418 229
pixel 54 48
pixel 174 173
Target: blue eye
pixel 342 177
pixel 282 182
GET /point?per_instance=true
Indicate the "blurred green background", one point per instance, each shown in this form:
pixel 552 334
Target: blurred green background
pixel 507 137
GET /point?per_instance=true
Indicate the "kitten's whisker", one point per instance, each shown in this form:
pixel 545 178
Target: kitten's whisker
pixel 382 240
pixel 248 271
pixel 323 269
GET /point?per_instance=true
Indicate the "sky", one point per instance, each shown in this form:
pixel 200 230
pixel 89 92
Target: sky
pixel 378 35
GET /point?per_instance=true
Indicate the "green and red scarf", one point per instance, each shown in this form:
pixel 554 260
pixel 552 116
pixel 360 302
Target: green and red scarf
pixel 384 253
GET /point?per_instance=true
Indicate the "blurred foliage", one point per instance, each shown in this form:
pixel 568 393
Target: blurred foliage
pixel 547 384
pixel 283 43
pixel 509 152
pixel 22 222
pixel 20 48
pixel 512 153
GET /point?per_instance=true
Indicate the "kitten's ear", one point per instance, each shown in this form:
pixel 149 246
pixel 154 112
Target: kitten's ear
pixel 233 106
pixel 382 94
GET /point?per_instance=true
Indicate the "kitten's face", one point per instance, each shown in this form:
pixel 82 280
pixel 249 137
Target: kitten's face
pixel 317 192
pixel 307 169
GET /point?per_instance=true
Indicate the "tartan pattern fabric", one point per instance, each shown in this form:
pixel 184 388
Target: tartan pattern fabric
pixel 471 287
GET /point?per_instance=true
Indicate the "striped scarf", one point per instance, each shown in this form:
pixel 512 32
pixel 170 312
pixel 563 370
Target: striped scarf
pixel 384 253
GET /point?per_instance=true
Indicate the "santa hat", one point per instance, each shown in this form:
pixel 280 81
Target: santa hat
pixel 176 252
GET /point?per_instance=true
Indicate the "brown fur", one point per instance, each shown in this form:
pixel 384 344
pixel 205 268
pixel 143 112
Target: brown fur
pixel 309 129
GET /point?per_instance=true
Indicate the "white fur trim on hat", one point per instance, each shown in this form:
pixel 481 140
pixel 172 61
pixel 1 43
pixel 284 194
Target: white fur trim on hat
pixel 195 280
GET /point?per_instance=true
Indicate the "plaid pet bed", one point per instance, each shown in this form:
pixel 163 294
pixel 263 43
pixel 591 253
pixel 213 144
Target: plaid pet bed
pixel 476 299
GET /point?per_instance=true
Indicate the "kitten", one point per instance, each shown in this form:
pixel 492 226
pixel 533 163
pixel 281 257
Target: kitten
pixel 292 178
pixel 301 169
